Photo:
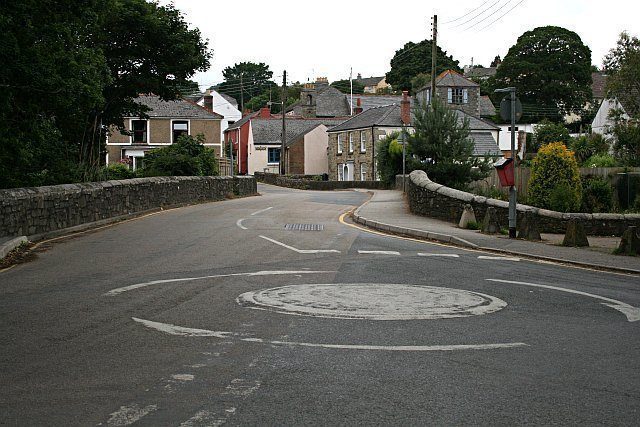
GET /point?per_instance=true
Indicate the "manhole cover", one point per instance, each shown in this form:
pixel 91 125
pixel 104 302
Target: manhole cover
pixel 304 227
pixel 374 301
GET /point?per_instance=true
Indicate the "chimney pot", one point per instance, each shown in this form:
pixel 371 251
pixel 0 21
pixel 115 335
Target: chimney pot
pixel 405 108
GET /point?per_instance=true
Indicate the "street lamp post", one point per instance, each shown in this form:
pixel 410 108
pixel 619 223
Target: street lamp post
pixel 513 191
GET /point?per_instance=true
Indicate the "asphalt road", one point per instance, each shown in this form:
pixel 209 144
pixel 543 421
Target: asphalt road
pixel 172 319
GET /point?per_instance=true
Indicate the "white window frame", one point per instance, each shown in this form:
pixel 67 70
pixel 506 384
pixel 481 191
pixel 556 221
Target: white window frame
pixel 457 96
pixel 131 129
pixel 339 143
pixel 363 171
pixel 350 142
pixel 340 171
pixel 363 142
pixel 179 120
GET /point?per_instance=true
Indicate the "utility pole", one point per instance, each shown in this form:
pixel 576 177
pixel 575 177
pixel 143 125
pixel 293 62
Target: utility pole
pixel 434 53
pixel 284 123
pixel 241 95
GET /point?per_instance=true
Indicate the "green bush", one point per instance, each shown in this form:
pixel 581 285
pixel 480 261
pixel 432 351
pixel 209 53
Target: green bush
pixel 587 146
pixel 597 195
pixel 600 161
pixel 547 132
pixel 389 159
pixel 186 157
pixel 118 171
pixel 555 179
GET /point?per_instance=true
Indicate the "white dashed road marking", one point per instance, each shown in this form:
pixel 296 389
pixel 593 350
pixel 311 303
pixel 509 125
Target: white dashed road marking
pixel 439 255
pixel 379 252
pixel 499 258
pixel 301 251
pixel 239 224
pixel 261 211
pixel 128 415
pixel 632 313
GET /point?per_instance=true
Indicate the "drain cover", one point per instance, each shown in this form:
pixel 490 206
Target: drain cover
pixel 304 227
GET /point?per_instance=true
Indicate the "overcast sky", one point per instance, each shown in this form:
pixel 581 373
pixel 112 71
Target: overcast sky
pixel 326 38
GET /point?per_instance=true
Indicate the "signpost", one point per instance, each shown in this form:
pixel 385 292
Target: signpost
pixel 511 109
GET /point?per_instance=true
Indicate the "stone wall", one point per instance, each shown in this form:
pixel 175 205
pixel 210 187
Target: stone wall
pixel 430 199
pixel 40 210
pixel 308 182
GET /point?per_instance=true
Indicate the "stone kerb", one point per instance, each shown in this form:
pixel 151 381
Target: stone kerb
pixel 431 199
pixel 40 210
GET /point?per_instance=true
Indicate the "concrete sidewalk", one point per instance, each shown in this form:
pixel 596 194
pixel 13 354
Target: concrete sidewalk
pixel 388 211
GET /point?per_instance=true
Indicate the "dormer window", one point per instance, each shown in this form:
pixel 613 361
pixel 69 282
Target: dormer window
pixel 458 96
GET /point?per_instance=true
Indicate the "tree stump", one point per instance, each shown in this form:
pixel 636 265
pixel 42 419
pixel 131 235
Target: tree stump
pixel 528 227
pixel 491 224
pixel 575 235
pixel 468 215
pixel 630 242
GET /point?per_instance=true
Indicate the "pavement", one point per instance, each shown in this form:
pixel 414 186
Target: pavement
pixel 7 244
pixel 388 211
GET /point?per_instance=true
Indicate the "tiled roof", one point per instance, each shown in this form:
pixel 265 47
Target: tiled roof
pixel 487 109
pixel 481 72
pixel 370 81
pixel 452 78
pixel 180 109
pixel 484 144
pixel 598 87
pixel 269 131
pixel 371 101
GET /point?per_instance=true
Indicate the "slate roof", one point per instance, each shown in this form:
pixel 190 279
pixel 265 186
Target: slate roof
pixel 476 124
pixel 370 81
pixel 180 109
pixel 269 131
pixel 242 121
pixel 487 109
pixel 484 144
pixel 230 99
pixel 481 72
pixel 452 78
pixel 371 101
pixel 385 116
pixel 598 87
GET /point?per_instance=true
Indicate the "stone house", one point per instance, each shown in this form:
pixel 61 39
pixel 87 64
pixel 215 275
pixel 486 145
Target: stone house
pixel 166 121
pixel 456 91
pixel 320 100
pixel 374 85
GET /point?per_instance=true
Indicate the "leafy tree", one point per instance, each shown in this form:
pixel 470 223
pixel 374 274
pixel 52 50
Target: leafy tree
pixel 188 88
pixel 626 146
pixel 414 59
pixel 597 195
pixel 71 68
pixel 555 179
pixel 389 158
pixel 496 61
pixel 185 157
pixel 344 86
pixel 586 146
pixel 274 94
pixel 622 64
pixel 551 69
pixel 420 81
pixel 443 148
pixel 245 80
pixel 547 132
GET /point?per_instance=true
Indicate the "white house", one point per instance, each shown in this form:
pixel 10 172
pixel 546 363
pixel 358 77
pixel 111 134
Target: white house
pixel 223 105
pixel 601 122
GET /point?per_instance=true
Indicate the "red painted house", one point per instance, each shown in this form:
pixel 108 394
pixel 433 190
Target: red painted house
pixel 238 135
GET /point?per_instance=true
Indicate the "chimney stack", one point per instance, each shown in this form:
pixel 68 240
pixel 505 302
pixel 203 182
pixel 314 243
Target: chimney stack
pixel 405 108
pixel 265 113
pixel 208 102
pixel 358 107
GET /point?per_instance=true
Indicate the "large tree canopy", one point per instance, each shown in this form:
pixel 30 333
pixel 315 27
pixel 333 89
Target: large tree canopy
pixel 414 59
pixel 246 80
pixel 72 67
pixel 551 69
pixel 622 64
pixel 344 86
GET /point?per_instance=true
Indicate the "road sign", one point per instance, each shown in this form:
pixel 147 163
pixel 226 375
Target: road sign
pixel 505 108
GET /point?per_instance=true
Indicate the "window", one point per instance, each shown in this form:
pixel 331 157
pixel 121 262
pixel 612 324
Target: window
pixel 179 127
pixel 350 142
pixel 458 96
pixel 363 172
pixel 340 172
pixel 139 129
pixel 273 155
pixel 339 143
pixel 363 141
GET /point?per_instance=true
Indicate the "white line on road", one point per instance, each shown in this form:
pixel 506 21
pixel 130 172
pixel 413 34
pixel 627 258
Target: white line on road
pixel 261 210
pixel 379 252
pixel 632 313
pixel 118 291
pixel 239 223
pixel 499 258
pixel 439 255
pixel 128 415
pixel 301 251
pixel 181 331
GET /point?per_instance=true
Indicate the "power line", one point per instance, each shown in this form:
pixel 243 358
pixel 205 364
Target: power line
pixel 466 14
pixel 501 16
pixel 488 16
pixel 477 15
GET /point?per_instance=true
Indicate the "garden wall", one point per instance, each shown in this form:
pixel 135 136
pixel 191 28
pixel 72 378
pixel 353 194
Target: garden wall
pixel 309 182
pixel 430 199
pixel 37 211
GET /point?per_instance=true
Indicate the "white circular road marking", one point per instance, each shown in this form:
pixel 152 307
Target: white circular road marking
pixel 372 301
